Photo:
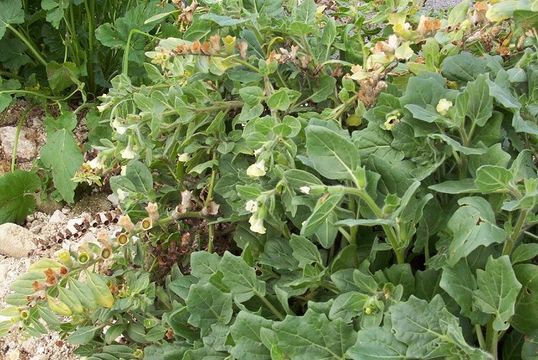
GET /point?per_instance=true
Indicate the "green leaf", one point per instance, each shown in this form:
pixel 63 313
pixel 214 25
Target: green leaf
pixel 424 90
pixel 428 329
pixel 459 282
pixel 429 114
pixel 240 278
pixel 17 195
pixel 313 336
pixel 472 225
pixel 497 291
pixel 62 76
pixel 324 208
pixel 304 251
pixel 491 178
pixel 525 319
pixel 331 154
pixel 208 305
pixel 251 95
pixel 347 306
pixel 83 335
pixel 299 178
pixel 62 155
pixel 282 99
pixel 222 20
pixel 204 264
pixel 377 343
pixel 11 12
pixel 462 67
pixel 324 89
pixel 55 11
pixel 246 332
pixel 455 187
pixel 98 286
pixel 140 176
pixel 480 103
pixel 116 35
pixel 524 252
pixel 456 146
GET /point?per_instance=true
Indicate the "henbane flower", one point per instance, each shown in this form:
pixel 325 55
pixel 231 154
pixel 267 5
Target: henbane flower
pixel 251 206
pixel 257 169
pixel 443 106
pixel 256 224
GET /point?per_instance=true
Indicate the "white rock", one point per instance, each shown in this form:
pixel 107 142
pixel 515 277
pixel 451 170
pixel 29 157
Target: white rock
pixel 16 241
pixel 14 354
pixel 57 217
pixel 26 149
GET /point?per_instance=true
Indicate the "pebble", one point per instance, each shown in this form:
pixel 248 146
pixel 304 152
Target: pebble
pixel 57 217
pixel 26 149
pixel 16 241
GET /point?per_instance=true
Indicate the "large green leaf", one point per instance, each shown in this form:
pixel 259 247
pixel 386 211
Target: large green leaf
pixel 208 305
pixel 331 154
pixel 472 225
pixel 11 12
pixel 304 250
pixel 428 329
pixel 459 282
pixel 240 278
pixel 62 155
pixel 480 103
pixel 17 199
pixel 491 178
pixel 377 343
pixel 497 291
pixel 525 319
pixel 313 336
pixel 462 67
pixel 324 208
pixel 246 332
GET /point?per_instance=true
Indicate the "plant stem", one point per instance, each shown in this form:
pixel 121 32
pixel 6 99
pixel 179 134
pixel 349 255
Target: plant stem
pixel 26 42
pixel 516 232
pixel 271 307
pixel 90 15
pixel 480 337
pixel 389 231
pixel 208 199
pixel 22 120
pixel 492 338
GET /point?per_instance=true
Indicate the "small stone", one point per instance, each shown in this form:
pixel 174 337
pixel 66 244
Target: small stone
pixel 14 354
pixel 65 210
pixel 57 217
pixel 16 241
pixel 26 148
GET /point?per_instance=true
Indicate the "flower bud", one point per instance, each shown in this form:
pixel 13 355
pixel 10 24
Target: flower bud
pixel 153 211
pixel 125 222
pixel 229 44
pixel 64 257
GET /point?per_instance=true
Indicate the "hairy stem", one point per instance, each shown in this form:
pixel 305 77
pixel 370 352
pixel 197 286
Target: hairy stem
pixel 516 232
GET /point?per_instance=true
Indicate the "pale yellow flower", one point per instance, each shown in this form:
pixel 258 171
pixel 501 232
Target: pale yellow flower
pixel 256 224
pixel 443 106
pixel 257 169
